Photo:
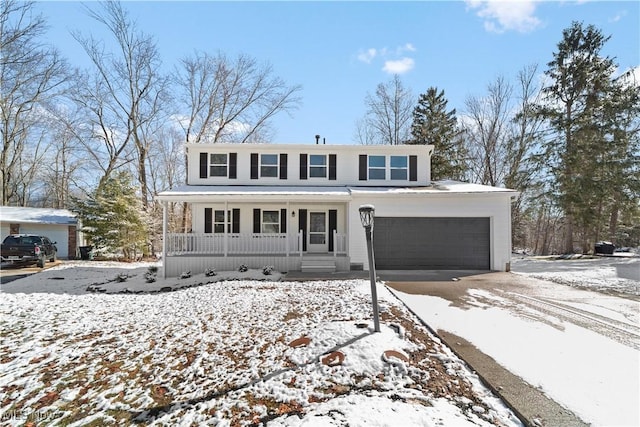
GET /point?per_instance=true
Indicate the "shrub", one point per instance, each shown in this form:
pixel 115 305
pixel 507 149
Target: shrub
pixel 267 270
pixel 243 268
pixel 122 277
pixel 185 274
pixel 210 272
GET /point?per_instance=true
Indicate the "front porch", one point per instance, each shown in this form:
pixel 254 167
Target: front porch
pixel 196 252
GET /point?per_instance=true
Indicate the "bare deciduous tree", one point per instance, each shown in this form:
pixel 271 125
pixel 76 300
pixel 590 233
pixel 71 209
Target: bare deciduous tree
pixel 125 94
pixel 231 100
pixel 487 130
pixel 31 74
pixel 389 115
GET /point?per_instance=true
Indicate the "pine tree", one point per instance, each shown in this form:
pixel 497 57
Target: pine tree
pixel 580 85
pixel 113 217
pixel 433 124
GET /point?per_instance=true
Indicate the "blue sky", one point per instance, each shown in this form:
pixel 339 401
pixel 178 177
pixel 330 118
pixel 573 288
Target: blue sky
pixel 340 51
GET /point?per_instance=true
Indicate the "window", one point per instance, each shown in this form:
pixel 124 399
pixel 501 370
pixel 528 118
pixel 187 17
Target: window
pixel 218 165
pixel 377 167
pixel 317 166
pixel 215 222
pixel 398 167
pixel 269 165
pixel 219 222
pixel 270 222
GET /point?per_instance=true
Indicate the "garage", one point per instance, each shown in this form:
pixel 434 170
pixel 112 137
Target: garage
pixel 413 243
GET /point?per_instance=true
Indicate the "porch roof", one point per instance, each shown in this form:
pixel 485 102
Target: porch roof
pixel 436 188
pixel 194 193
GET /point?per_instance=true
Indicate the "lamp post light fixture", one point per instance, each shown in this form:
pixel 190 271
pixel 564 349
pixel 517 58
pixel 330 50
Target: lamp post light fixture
pixel 366 217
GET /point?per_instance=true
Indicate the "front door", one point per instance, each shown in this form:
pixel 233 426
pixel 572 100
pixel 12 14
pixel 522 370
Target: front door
pixel 318 238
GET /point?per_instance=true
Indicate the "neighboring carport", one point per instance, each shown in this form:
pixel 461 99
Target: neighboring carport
pixel 414 243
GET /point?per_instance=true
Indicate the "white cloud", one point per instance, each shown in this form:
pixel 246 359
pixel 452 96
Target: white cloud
pixel 501 16
pixel 399 66
pixel 395 60
pixel 618 16
pixel 408 47
pixel 368 55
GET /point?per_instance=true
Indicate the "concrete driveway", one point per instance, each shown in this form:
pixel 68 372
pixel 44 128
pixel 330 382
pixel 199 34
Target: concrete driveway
pixel 519 293
pixel 10 272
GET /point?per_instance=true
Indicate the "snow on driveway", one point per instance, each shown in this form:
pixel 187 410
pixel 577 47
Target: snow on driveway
pixel 222 354
pixel 582 348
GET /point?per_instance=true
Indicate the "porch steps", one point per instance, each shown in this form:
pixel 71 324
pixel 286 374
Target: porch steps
pixel 318 264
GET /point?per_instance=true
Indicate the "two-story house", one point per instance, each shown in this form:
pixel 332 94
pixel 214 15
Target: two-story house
pixel 295 207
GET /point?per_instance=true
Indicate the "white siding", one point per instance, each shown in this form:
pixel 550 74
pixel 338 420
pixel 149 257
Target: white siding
pixel 347 158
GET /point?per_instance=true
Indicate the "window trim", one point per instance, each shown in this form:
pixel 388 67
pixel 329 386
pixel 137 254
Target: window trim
pixel 324 166
pixel 275 166
pixel 211 165
pixel 263 222
pixel 376 168
pixel 393 168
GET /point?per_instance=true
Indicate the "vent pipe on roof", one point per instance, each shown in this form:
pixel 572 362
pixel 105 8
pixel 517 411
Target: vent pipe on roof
pixel 317 139
pixel 324 141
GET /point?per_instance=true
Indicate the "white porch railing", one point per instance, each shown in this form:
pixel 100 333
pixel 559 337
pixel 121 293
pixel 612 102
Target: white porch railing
pixel 243 244
pixel 232 244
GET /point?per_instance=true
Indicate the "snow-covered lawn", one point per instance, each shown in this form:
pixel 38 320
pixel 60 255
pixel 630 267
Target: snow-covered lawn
pixel 615 274
pixel 221 354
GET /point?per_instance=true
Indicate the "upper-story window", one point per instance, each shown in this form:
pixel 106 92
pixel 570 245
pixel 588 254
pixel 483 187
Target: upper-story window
pixel 218 165
pixel 268 165
pixel 377 167
pixel 398 167
pixel 395 168
pixel 317 166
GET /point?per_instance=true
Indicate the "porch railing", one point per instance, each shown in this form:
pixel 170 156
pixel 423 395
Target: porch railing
pixel 232 244
pixel 243 244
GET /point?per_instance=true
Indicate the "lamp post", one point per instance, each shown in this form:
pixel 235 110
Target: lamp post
pixel 366 217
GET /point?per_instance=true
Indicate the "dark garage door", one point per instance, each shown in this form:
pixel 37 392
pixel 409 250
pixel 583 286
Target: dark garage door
pixel 432 243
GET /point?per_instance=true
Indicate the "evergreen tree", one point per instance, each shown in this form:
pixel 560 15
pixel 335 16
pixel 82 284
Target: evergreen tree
pixel 113 217
pixel 576 154
pixel 434 125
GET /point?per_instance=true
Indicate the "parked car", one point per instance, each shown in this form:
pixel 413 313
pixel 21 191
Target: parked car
pixel 28 248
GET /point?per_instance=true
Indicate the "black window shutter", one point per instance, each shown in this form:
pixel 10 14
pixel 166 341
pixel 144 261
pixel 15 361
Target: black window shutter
pixel 303 166
pixel 283 220
pixel 254 165
pixel 283 166
pixel 208 220
pixel 233 165
pixel 302 225
pixel 332 167
pixel 413 168
pixel 363 167
pixel 235 221
pixel 256 220
pixel 204 164
pixel 333 225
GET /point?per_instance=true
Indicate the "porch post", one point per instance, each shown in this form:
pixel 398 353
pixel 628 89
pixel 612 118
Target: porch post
pixel 164 239
pixel 335 243
pixel 288 230
pixel 226 230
